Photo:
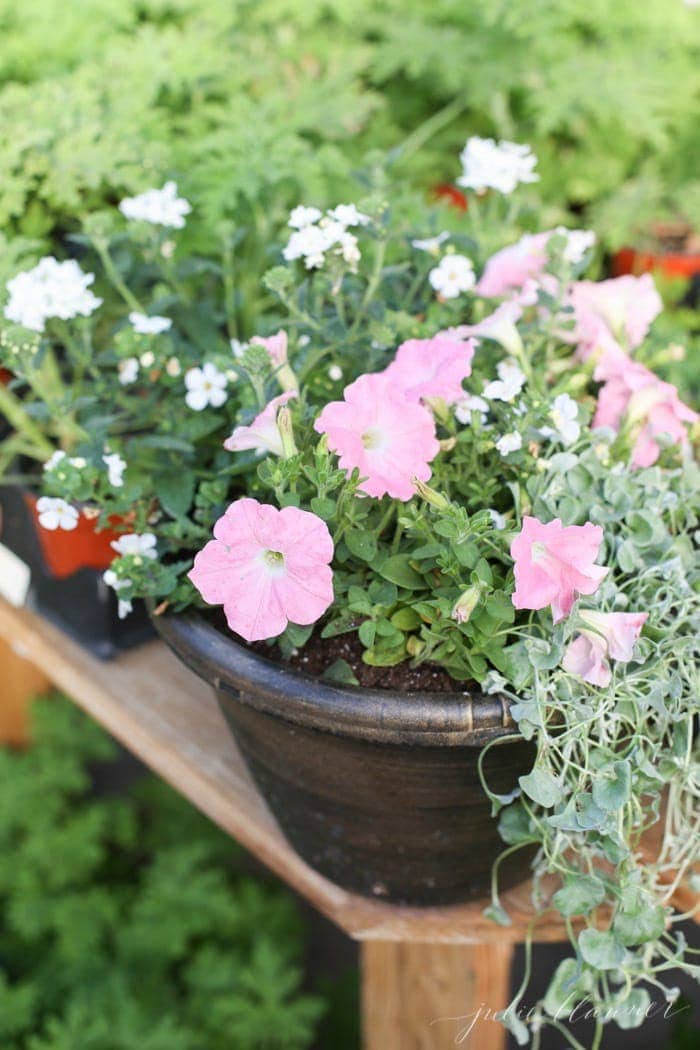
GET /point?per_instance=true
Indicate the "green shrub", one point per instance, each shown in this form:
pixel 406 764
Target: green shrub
pixel 123 922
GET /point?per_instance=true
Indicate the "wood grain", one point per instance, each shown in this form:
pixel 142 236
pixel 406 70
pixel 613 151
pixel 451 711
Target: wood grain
pixel 20 681
pixel 434 996
pixel 163 713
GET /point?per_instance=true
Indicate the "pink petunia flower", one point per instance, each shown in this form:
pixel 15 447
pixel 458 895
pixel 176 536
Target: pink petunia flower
pixel 263 434
pixel 425 368
pixel 499 326
pixel 276 346
pixel 626 305
pixel 651 406
pixel 508 270
pixel 388 438
pixel 267 567
pixel 611 636
pixel 554 563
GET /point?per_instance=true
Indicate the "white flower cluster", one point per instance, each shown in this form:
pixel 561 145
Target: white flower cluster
pixel 59 456
pixel 143 546
pixel 115 469
pixel 490 165
pixel 453 275
pixel 50 289
pixel 145 325
pixel 316 234
pixel 159 207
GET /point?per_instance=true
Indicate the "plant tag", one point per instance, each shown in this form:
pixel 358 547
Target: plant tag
pixel 15 577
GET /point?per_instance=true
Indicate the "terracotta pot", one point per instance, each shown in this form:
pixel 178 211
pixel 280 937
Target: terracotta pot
pixel 671 264
pixel 451 195
pixel 377 790
pixel 83 547
pixel 63 573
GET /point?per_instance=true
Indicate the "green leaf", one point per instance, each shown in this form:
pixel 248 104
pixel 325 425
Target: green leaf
pixel 397 569
pixel 340 671
pixel 406 619
pixel 366 633
pixel 565 989
pixel 579 896
pixel 542 787
pixel 612 786
pixel 325 508
pixel 175 492
pixel 639 919
pixel 362 544
pixel 601 949
pixel 633 1010
pixel 385 657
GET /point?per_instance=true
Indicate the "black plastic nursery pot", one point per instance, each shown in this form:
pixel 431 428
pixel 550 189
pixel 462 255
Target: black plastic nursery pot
pixel 377 790
pixel 61 578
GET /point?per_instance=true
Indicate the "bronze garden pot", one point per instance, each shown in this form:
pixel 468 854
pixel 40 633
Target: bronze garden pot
pixel 377 790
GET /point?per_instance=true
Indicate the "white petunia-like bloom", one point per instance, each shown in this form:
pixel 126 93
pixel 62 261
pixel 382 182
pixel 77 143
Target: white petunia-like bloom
pixel 453 275
pixel 159 207
pixel 302 216
pixel 471 403
pixel 564 413
pixel 509 443
pixel 490 165
pixel 205 386
pixel 54 513
pixel 348 215
pixel 128 370
pixel 144 544
pixel 578 242
pixel 115 469
pixel 50 289
pixel 431 244
pixel 125 606
pixel 145 325
pixel 511 380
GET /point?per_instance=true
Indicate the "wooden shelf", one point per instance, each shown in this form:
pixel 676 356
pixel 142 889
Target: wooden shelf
pixel 163 713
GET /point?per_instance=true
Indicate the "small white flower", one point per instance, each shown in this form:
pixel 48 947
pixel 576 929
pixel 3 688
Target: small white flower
pixel 471 403
pixel 431 244
pixel 453 275
pixel 205 386
pixel 50 289
pixel 578 242
pixel 509 443
pixel 78 462
pixel 55 514
pixel 335 373
pixel 173 367
pixel 112 580
pixel 160 207
pixel 494 165
pixel 143 544
pixel 302 216
pixel 499 520
pixel 303 340
pixel 115 469
pixel 310 244
pixel 348 215
pixel 54 459
pixel 147 359
pixel 128 370
pixel 349 249
pixel 509 384
pixel 145 325
pixel 564 413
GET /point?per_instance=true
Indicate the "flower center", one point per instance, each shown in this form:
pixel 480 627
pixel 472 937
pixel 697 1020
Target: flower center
pixel 274 561
pixel 372 438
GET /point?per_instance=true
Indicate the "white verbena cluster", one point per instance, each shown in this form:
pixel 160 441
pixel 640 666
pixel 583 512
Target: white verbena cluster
pixel 160 207
pixel 153 325
pixel 316 234
pixel 50 289
pixel 494 165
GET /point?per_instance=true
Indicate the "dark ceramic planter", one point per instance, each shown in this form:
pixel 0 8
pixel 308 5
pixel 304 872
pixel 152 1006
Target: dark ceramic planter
pixel 377 790
pixel 65 583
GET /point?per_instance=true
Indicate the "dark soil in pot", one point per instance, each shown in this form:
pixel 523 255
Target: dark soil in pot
pixel 378 789
pixel 77 600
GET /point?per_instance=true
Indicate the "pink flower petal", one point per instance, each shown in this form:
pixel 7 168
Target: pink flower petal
pixel 435 367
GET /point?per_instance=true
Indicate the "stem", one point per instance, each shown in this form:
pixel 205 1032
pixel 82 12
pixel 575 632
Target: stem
pixel 11 407
pixel 115 277
pixel 425 131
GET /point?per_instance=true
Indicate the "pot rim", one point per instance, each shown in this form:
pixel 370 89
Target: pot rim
pixel 240 675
